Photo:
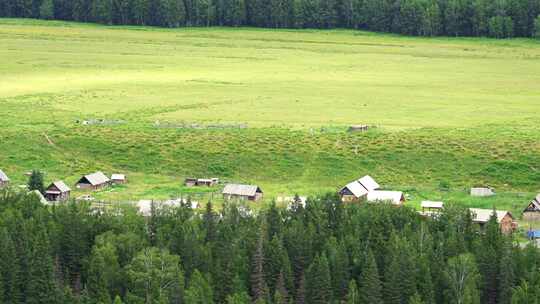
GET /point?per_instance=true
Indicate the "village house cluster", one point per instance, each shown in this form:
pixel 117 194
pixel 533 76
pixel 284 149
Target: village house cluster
pixel 364 189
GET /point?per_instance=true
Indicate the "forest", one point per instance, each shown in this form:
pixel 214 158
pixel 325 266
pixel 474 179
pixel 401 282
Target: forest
pixel 499 19
pixel 326 252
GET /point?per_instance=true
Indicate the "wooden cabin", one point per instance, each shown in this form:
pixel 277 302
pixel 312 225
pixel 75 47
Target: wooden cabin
pixel 358 128
pixel 242 192
pixel 394 197
pixel 190 182
pixel 504 218
pixel 93 181
pixel 352 192
pixel 431 208
pixel 358 189
pixel 208 182
pixel 57 192
pixel 118 178
pixel 4 179
pixel 532 212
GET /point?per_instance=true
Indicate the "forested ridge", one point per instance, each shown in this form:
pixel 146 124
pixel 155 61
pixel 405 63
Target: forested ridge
pixel 499 18
pixel 324 253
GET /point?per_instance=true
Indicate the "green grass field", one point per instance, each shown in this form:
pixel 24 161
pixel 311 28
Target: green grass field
pixel 447 110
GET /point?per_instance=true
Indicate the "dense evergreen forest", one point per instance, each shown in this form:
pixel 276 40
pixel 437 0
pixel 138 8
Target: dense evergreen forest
pixel 324 253
pixel 494 18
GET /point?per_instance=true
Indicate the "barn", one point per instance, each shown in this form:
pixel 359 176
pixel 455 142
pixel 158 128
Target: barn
pixel 93 181
pixel 532 212
pixel 395 197
pixel 358 189
pixel 352 192
pixel 504 218
pixel 57 192
pixel 4 179
pixel 242 192
pixel 119 178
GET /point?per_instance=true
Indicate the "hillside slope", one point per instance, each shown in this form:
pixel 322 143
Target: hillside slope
pixel 267 106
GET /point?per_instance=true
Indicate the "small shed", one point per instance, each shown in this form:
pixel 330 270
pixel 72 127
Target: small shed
pixel 431 208
pixel 208 182
pixel 93 181
pixel 532 212
pixel 4 179
pixel 242 192
pixel 395 197
pixel 482 191
pixel 118 178
pixel 504 218
pixel 57 192
pixel 358 128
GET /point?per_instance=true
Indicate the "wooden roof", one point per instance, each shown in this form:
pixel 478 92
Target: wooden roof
pixel 369 183
pixel 60 185
pixel 534 205
pixel 95 179
pixel 3 176
pixel 356 189
pixel 242 190
pixel 432 204
pixel 483 215
pixel 118 177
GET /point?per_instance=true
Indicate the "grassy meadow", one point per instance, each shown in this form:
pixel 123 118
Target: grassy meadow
pixel 271 107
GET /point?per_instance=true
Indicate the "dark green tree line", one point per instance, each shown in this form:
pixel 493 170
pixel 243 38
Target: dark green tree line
pixel 499 19
pixel 324 253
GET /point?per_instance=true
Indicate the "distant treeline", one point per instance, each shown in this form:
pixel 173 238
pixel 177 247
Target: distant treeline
pixel 325 253
pixel 493 18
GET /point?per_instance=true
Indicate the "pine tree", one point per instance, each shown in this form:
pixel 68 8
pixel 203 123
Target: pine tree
pixel 199 290
pixel 277 265
pixel 35 182
pixel 369 283
pixel 209 223
pixel 281 294
pixel 392 284
pixel 259 289
pixel 41 282
pixel 339 268
pixel 353 296
pixel 301 290
pixel 46 10
pixel 416 299
pixel 98 280
pixel 424 281
pixel 506 275
pixel 318 282
pixel 407 272
pixel 10 273
pixel 101 11
pixel 118 300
